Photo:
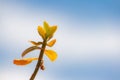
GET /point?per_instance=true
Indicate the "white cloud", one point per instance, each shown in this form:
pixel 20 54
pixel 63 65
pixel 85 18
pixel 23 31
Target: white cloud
pixel 73 43
pixel 19 27
pixel 16 74
pixel 85 46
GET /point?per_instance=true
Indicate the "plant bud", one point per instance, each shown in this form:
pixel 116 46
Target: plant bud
pixel 42 67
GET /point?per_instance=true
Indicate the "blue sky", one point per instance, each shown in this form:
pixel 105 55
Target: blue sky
pixel 88 38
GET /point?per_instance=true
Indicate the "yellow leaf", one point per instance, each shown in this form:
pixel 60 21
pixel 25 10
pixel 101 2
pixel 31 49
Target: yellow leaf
pixel 52 55
pixel 29 50
pixel 46 26
pixel 52 31
pixel 36 43
pixel 24 61
pixel 51 43
pixel 49 30
pixel 41 32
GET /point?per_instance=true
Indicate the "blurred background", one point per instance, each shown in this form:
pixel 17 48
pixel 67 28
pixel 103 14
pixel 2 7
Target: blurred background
pixel 88 38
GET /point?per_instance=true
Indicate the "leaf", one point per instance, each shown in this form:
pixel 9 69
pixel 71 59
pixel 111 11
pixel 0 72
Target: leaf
pixel 46 26
pixel 51 43
pixel 24 61
pixel 52 55
pixel 29 50
pixel 49 38
pixel 41 32
pixel 36 43
pixel 51 31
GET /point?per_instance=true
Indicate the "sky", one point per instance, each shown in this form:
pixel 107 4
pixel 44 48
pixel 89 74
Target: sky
pixel 88 38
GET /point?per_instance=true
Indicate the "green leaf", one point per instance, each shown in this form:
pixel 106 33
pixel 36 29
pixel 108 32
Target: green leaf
pixel 49 38
pixel 46 26
pixel 51 31
pixel 29 50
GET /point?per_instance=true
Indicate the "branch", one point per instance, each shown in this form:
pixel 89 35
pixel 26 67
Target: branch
pixel 39 63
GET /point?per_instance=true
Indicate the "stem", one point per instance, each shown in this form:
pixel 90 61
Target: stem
pixel 39 61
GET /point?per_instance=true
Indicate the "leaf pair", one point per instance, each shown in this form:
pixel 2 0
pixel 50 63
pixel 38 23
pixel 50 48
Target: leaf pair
pixel 50 44
pixel 52 55
pixel 49 53
pixel 36 43
pixel 46 32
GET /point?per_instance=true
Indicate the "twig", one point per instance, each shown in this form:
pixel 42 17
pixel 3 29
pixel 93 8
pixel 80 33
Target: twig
pixel 39 63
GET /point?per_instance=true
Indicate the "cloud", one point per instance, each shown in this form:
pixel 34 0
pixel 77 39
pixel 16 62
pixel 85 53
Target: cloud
pixel 17 74
pixel 18 27
pixel 88 44
pixel 76 46
pixel 12 74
